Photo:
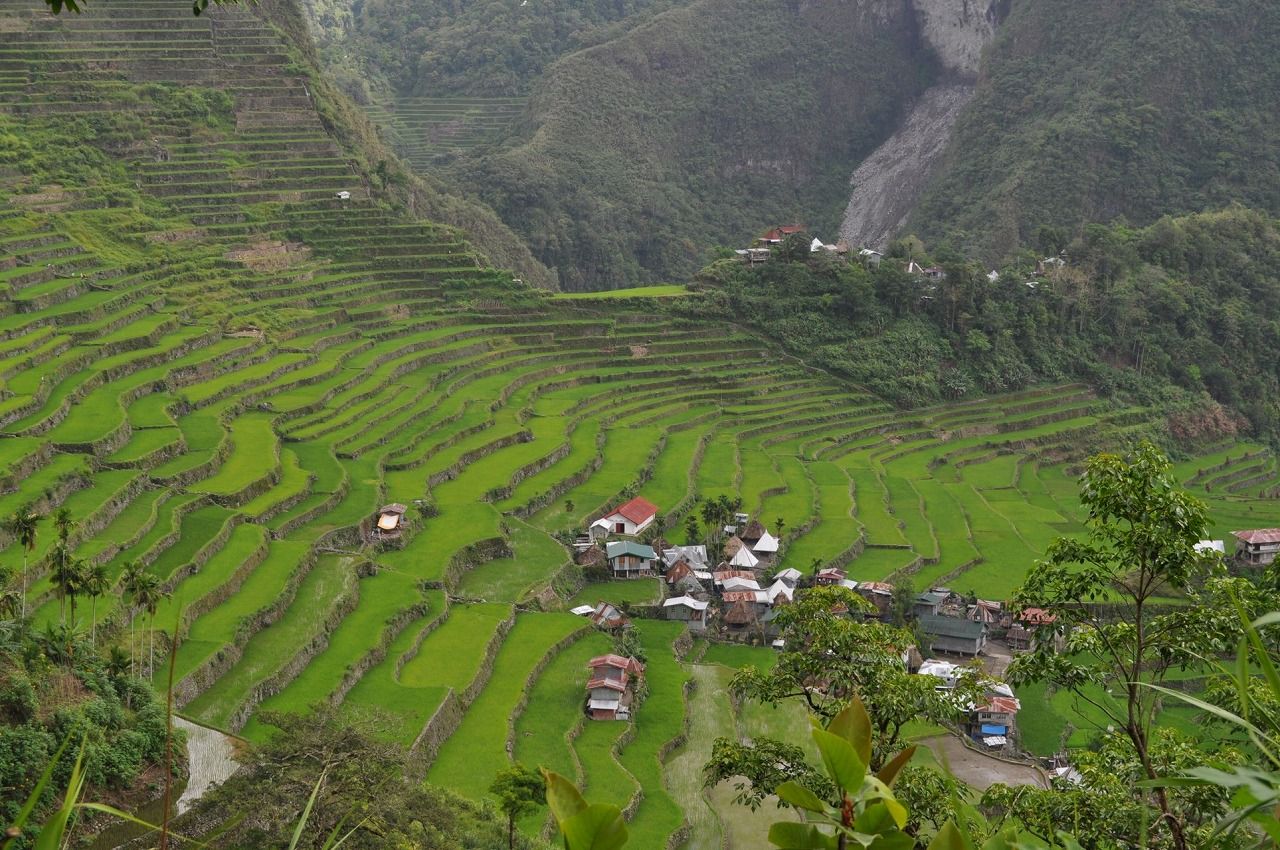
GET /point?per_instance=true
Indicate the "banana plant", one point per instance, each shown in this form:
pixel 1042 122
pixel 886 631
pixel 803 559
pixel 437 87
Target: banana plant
pixel 866 813
pixel 585 826
pixel 1254 684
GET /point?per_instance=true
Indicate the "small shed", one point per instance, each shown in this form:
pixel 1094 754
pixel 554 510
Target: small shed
pixel 832 575
pixel 687 609
pixel 743 559
pixel 752 532
pixel 389 522
pixel 766 545
pixel 607 616
pixel 741 615
pixel 628 559
pixel 928 603
pixel 790 575
pixel 592 556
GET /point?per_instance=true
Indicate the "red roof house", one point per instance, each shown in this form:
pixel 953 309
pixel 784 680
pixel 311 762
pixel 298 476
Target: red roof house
pixel 1258 547
pixel 777 234
pixel 631 518
pixel 609 689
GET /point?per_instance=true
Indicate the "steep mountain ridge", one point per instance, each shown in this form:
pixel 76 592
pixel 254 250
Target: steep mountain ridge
pixel 888 183
pixel 1093 110
pixel 699 127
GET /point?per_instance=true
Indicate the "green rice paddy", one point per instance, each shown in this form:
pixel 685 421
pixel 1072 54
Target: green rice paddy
pixel 233 423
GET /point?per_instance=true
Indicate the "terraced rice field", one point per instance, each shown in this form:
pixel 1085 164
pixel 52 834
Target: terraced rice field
pixel 225 377
pixel 426 129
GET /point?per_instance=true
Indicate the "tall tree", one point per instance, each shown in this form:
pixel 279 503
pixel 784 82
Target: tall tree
pixel 147 595
pixel 63 522
pixel 1106 636
pixel 67 574
pixel 519 790
pixel 833 654
pixel 24 527
pixel 131 581
pixel 96 582
pixel 691 529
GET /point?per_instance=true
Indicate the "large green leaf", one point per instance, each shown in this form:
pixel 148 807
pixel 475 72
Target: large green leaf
pixel 843 764
pixel 53 833
pixel 892 841
pixel 599 826
pixel 890 771
pixel 800 836
pixel 853 724
pixel 799 796
pixel 562 796
pixel 949 838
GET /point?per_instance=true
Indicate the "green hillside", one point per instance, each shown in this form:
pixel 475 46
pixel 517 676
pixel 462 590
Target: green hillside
pixel 1088 112
pixel 635 153
pixel 706 124
pixel 222 369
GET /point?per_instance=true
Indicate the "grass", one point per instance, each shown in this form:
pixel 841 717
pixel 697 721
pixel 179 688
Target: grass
pixel 379 367
pixel 639 591
pixel 555 706
pixel 252 458
pixel 270 648
pixel 657 721
pixel 663 291
pixel 476 752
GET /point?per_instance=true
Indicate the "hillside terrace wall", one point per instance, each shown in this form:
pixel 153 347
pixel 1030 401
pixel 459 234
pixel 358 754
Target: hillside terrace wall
pixel 446 719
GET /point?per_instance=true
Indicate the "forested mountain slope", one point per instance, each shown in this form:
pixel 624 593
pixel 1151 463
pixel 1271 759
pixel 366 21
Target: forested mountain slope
pixel 700 127
pixel 621 139
pixel 653 134
pixel 1090 110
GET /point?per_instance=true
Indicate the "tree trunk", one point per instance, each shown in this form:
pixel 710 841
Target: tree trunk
pixel 93 629
pixel 511 832
pixel 24 584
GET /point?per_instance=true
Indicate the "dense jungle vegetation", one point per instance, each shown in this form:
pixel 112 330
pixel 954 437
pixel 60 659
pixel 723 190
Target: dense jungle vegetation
pixel 690 128
pixel 1165 314
pixel 1087 112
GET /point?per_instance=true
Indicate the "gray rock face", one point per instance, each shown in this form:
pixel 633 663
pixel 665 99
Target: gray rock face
pixel 957 30
pixel 887 184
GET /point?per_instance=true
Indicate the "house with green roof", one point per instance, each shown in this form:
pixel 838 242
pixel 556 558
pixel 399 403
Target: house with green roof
pixel 628 559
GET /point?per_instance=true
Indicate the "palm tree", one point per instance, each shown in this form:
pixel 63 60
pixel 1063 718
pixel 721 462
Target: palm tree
pixel 23 526
pixel 63 522
pixel 131 582
pixel 148 596
pixel 118 661
pixel 67 575
pixel 96 582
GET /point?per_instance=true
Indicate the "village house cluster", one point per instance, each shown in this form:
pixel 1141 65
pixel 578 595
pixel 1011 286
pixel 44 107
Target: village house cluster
pixel 736 592
pixel 761 250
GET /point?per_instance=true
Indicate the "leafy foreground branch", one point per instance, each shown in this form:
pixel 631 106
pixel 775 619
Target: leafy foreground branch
pixel 859 811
